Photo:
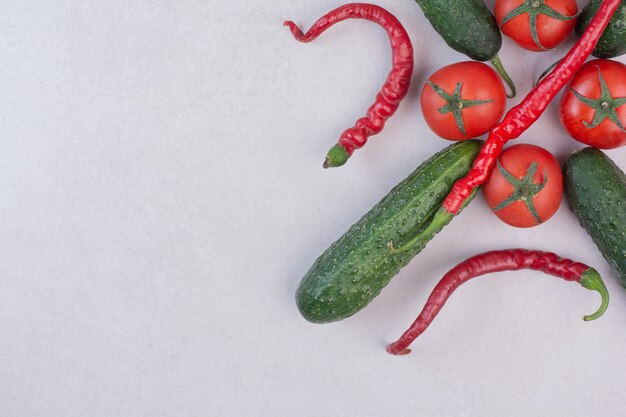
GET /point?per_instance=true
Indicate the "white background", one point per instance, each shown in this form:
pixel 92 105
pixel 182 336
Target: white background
pixel 162 195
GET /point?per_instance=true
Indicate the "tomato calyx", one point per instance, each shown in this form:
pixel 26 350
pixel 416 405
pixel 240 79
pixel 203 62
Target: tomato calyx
pixel 605 106
pixel 455 103
pixel 524 189
pixel 534 8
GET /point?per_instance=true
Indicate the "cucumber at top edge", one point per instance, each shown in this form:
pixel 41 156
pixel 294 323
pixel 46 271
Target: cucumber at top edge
pixel 467 26
pixel 612 43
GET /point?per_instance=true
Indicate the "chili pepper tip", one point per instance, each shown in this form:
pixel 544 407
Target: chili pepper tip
pixel 391 349
pixel 295 30
pixel 592 280
pixel 336 157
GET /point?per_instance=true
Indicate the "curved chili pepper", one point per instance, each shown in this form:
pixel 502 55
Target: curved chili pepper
pixel 495 261
pixel 518 119
pixel 393 91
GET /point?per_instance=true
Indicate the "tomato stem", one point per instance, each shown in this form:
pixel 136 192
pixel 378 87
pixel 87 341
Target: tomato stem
pixel 524 189
pixel 455 104
pixel 534 8
pixel 605 106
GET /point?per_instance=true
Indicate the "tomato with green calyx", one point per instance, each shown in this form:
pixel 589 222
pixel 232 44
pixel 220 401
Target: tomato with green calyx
pixel 593 108
pixel 463 100
pixel 525 187
pixel 536 25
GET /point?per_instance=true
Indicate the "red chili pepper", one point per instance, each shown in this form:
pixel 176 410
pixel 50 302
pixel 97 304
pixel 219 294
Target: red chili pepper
pixel 517 120
pixel 502 260
pixel 392 92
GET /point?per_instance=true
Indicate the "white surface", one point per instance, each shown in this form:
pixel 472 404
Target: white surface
pixel 162 196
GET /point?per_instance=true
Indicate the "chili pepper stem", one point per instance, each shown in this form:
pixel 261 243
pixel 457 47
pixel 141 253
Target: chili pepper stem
pixel 495 61
pixel 591 280
pixel 440 219
pixel 547 71
pixel 336 157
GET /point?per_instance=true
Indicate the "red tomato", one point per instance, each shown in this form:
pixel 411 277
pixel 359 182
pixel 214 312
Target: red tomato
pixel 526 186
pixel 593 108
pixel 463 100
pixel 536 25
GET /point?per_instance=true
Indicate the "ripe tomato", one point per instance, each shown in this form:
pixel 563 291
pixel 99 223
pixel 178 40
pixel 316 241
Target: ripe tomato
pixel 536 25
pixel 593 108
pixel 463 100
pixel 526 186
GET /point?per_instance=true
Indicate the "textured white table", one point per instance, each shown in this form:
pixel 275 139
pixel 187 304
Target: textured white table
pixel 162 196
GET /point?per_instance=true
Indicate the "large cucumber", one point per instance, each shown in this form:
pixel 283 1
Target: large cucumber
pixel 596 191
pixel 357 266
pixel 612 43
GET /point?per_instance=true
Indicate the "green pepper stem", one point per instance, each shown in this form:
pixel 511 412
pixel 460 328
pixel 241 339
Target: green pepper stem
pixel 440 219
pixel 547 71
pixel 505 76
pixel 592 280
pixel 336 157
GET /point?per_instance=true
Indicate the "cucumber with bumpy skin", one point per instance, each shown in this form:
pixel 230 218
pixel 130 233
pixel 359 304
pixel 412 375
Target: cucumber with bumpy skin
pixel 357 266
pixel 596 192
pixel 468 27
pixel 612 43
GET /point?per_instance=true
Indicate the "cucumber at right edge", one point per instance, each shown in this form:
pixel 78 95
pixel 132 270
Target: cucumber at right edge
pixel 596 191
pixel 612 43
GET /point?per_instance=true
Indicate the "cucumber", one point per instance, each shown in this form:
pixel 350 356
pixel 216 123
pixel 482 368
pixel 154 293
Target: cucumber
pixel 612 43
pixel 349 274
pixel 596 192
pixel 467 26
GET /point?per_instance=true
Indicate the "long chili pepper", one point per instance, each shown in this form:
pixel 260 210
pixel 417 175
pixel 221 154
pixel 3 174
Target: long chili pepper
pixel 501 260
pixel 517 120
pixel 393 91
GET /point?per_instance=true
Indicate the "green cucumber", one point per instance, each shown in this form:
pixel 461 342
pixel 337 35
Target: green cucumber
pixel 596 192
pixel 357 266
pixel 612 43
pixel 467 26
